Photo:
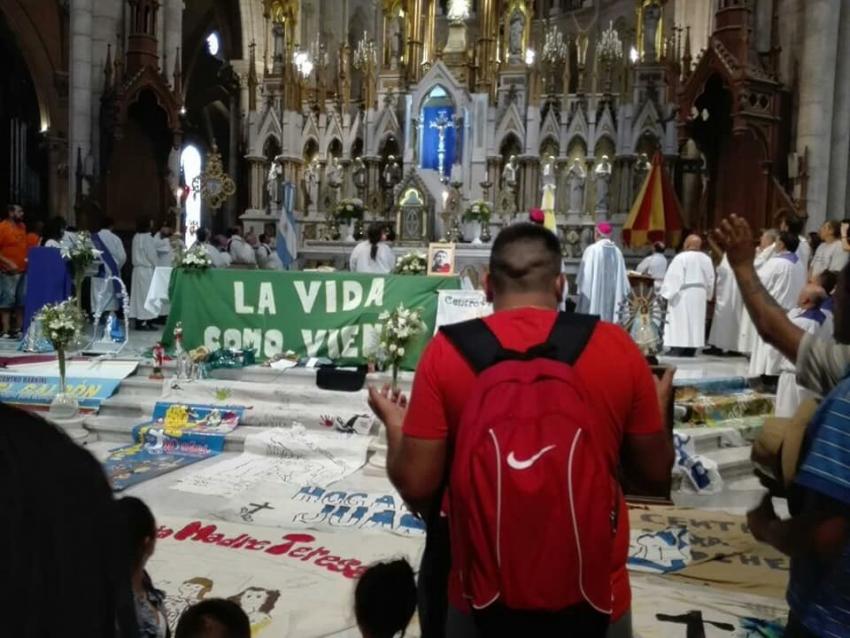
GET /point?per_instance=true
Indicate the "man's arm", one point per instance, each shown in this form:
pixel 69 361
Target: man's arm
pixel 769 318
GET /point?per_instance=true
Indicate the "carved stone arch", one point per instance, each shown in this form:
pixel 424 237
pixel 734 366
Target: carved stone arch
pixel 647 123
pixel 605 128
pixel 310 145
pixel 578 128
pixel 439 75
pixel 269 125
pixel 354 133
pixel 311 130
pixel 511 123
pixel 386 125
pixel 333 131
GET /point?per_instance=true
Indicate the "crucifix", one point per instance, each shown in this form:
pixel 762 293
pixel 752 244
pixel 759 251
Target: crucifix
pixel 442 123
pixel 253 508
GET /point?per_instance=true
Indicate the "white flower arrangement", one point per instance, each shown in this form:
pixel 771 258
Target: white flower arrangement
pixel 196 258
pixel 61 324
pixel 398 328
pixel 81 253
pixel 478 211
pixel 412 264
pixel 348 209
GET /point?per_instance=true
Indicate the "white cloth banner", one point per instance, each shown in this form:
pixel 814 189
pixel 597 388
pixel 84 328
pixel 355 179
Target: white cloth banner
pixel 454 306
pixel 282 456
pixel 291 584
pixel 334 508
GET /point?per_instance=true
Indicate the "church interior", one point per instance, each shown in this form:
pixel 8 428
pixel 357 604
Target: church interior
pixel 297 129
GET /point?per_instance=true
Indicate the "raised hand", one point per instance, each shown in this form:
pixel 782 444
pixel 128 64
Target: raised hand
pixel 735 237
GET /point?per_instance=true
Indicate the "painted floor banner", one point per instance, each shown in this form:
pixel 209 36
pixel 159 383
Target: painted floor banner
pixel 178 435
pixel 335 508
pixel 282 456
pixel 290 583
pixel 37 392
pixel 661 552
pixel 332 315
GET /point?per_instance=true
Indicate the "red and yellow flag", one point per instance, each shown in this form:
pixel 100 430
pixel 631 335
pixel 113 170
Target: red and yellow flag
pixel 656 214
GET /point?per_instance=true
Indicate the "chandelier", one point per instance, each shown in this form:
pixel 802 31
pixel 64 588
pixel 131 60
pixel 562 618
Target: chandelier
pixel 365 55
pixel 609 49
pixel 554 47
pixel 302 62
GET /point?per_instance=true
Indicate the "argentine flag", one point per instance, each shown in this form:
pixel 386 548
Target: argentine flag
pixel 287 228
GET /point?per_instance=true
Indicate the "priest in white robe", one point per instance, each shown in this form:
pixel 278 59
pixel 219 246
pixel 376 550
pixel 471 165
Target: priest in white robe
pixel 103 291
pixel 655 265
pixel 687 287
pixel 602 283
pixel 792 224
pixel 765 250
pixel 728 310
pixel 783 278
pixel 145 259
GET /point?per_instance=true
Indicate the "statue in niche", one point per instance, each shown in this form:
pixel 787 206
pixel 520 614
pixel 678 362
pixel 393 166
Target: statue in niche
pixel 576 177
pixel 395 39
pixel 360 175
pixel 549 180
pixel 310 184
pixel 642 168
pixel 334 173
pixel 458 10
pixel 651 20
pixel 509 174
pixel 602 177
pixel 392 173
pixel 273 183
pixel 516 31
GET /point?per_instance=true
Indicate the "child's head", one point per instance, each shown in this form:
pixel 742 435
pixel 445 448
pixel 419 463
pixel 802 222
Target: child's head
pixel 385 599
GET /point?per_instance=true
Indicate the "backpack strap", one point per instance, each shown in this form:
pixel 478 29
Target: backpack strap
pixel 482 349
pixel 476 343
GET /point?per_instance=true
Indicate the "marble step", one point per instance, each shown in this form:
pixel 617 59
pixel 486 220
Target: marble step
pixel 707 439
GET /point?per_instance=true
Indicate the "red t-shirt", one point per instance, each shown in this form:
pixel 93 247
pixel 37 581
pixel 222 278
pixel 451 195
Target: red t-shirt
pixel 620 386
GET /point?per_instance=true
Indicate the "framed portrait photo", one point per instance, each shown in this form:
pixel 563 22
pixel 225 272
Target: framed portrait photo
pixel 441 260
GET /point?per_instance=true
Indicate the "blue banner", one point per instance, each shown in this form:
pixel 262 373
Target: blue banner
pixel 39 392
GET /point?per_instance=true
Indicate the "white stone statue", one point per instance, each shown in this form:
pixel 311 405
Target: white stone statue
pixel 273 183
pixel 642 168
pixel 509 174
pixel 458 10
pixel 602 177
pixel 576 177
pixel 334 174
pixel 392 173
pixel 311 184
pixel 517 29
pixel 359 174
pixel 651 19
pixel 395 39
pixel 549 181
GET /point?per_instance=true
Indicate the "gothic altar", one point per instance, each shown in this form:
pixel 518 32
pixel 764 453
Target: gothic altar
pixel 456 109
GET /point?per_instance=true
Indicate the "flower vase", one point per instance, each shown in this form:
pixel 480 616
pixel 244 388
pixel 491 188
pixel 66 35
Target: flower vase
pixel 346 231
pixel 79 275
pixel 64 405
pixel 474 231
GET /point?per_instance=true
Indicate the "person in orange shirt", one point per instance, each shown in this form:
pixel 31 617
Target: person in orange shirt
pixel 13 265
pixel 34 232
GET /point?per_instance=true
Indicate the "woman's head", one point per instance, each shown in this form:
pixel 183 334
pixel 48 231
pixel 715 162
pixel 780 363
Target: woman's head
pixel 256 599
pixel 137 529
pixel 202 235
pixel 54 229
pixel 375 235
pixel 385 599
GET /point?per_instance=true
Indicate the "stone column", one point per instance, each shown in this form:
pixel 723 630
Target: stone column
pixel 172 20
pixel 57 174
pixel 840 146
pixel 816 101
pixel 257 172
pixel 233 155
pixel 80 106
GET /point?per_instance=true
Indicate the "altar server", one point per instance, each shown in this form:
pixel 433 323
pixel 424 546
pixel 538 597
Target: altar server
pixel 655 265
pixel 145 259
pixel 602 282
pixel 783 278
pixel 105 292
pixel 809 317
pixel 728 310
pixel 687 287
pixel 765 250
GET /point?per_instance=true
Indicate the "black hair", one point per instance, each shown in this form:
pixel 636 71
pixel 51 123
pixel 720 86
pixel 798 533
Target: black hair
pixel 107 222
pixel 202 235
pixel 814 241
pixel 137 525
pixel 659 247
pixel 53 229
pixel 525 257
pixel 214 617
pixel 828 279
pixel 385 599
pixel 143 225
pixel 60 574
pixel 835 227
pixel 263 238
pixel 374 235
pixel 794 224
pixel 790 241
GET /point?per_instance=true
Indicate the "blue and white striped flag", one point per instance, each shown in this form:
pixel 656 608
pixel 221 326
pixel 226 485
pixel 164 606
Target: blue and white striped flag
pixel 287 228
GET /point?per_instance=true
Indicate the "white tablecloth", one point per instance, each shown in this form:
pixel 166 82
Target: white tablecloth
pixel 157 300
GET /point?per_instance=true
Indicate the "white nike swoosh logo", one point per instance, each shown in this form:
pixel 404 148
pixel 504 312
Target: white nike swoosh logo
pixel 516 464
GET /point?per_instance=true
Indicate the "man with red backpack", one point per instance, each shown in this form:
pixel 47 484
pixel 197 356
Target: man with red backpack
pixel 514 433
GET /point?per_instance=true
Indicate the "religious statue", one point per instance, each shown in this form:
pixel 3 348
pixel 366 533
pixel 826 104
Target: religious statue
pixel 509 174
pixel 392 173
pixel 360 175
pixel 442 123
pixel 576 177
pixel 602 177
pixel 273 183
pixel 517 30
pixel 334 174
pixel 395 39
pixel 651 19
pixel 549 179
pixel 642 168
pixel 310 184
pixel 458 10
pixel 158 358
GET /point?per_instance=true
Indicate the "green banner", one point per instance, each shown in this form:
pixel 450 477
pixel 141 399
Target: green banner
pixel 332 315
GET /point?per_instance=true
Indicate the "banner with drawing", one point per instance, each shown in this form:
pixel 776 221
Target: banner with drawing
pixel 282 456
pixel 177 435
pixel 290 583
pixel 324 508
pixel 37 392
